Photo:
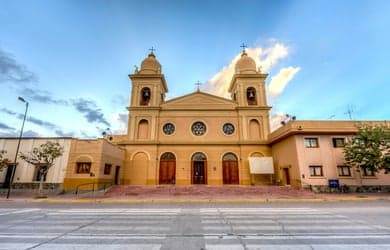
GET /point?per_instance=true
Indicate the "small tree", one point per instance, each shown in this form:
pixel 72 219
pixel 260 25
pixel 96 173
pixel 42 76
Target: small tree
pixel 41 156
pixel 370 148
pixel 4 162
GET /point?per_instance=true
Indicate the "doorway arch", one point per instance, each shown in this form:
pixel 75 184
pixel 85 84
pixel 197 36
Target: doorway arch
pixel 199 168
pixel 230 169
pixel 167 171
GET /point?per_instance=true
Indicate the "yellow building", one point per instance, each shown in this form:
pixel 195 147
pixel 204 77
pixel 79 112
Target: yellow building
pixel 198 138
pixel 201 138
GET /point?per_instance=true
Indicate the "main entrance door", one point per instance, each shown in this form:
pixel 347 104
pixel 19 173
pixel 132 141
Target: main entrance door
pixel 199 169
pixel 230 169
pixel 167 173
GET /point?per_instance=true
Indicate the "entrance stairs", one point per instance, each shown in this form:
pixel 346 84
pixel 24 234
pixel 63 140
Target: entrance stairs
pixel 205 191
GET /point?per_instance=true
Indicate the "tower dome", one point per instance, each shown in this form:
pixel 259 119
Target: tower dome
pixel 150 65
pixel 245 65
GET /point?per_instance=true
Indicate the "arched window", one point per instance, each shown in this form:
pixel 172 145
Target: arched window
pixel 251 96
pixel 229 157
pixel 143 129
pixel 199 157
pixel 168 156
pixel 145 96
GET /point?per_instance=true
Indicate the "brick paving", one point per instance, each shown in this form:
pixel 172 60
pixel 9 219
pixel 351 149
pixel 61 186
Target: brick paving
pixel 204 191
pixel 198 193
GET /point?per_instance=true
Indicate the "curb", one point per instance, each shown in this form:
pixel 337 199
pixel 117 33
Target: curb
pixel 209 200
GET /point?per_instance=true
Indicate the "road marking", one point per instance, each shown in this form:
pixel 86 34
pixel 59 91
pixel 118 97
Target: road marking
pixel 298 247
pixel 19 211
pixel 100 246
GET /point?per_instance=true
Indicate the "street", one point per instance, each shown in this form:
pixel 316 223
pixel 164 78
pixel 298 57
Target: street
pixel 300 225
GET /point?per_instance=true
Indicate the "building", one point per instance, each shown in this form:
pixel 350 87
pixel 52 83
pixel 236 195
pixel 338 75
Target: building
pixel 201 138
pixel 310 153
pixel 93 164
pixel 26 175
pixel 198 138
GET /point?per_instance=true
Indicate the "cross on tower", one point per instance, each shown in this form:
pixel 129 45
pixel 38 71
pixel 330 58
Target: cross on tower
pixel 243 46
pixel 198 85
pixel 152 50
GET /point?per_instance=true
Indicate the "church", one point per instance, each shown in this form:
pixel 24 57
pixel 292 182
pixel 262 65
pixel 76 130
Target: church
pixel 203 139
pixel 198 138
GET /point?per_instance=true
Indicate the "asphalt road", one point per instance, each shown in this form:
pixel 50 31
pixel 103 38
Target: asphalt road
pixel 319 225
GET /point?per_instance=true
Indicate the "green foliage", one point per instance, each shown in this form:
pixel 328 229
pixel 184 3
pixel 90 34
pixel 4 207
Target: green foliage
pixel 369 148
pixel 44 155
pixel 3 161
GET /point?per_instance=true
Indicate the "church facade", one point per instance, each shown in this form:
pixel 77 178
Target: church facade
pixel 198 138
pixel 201 138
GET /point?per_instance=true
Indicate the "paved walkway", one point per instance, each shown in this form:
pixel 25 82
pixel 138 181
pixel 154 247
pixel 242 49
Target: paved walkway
pixel 198 193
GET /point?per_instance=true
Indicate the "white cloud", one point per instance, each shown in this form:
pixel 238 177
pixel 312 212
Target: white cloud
pixel 280 81
pixel 264 57
pixel 276 120
pixel 120 124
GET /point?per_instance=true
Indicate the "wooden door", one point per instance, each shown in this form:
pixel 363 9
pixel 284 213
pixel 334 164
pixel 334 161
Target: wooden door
pixel 230 172
pixel 167 172
pixel 286 176
pixel 198 172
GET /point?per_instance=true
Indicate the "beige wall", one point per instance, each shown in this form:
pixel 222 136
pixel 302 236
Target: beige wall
pixel 99 152
pixel 24 171
pixel 136 170
pixel 285 156
pixel 288 149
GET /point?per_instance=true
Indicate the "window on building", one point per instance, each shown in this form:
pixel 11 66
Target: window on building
pixel 251 96
pixel 338 142
pixel 107 169
pixel 145 96
pixel 316 171
pixel 83 167
pixel 311 142
pixel 40 171
pixel 344 170
pixel 367 171
pixel 198 128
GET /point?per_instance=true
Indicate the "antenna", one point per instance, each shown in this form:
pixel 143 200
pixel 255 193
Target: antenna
pixel 349 112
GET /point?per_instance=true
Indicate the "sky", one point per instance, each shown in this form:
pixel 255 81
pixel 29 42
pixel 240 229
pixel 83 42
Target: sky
pixel 326 60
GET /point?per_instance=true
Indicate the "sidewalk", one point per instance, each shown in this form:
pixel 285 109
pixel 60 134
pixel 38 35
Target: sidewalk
pixel 201 193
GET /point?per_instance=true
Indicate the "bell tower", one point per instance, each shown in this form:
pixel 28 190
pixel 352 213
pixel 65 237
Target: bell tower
pixel 147 94
pixel 247 89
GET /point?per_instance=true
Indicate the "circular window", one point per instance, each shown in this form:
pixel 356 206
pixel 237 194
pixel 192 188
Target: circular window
pixel 198 128
pixel 228 128
pixel 168 128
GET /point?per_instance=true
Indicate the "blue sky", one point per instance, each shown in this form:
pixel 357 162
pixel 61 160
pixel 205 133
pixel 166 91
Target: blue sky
pixel 70 59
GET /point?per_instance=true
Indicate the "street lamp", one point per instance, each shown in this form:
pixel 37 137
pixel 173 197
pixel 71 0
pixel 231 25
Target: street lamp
pixel 17 148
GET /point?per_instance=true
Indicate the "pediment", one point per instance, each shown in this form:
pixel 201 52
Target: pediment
pixel 199 100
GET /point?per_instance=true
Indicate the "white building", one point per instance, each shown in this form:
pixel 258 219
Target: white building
pixel 26 175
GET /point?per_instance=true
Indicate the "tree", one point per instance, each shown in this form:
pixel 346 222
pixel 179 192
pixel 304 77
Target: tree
pixel 42 158
pixel 370 148
pixel 4 162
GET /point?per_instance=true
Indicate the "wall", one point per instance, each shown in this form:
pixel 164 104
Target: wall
pixel 98 152
pixel 284 153
pixel 25 172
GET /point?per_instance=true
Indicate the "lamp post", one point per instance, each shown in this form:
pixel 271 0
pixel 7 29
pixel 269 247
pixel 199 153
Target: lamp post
pixel 17 148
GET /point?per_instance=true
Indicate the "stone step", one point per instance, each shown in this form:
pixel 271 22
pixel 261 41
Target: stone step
pixel 204 190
